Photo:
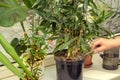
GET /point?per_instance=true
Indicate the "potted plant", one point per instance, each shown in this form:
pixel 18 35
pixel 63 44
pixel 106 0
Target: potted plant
pixel 74 24
pixel 32 47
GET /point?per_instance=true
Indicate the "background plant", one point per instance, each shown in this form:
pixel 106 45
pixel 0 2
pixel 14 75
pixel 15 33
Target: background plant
pixel 32 45
pixel 113 23
pixel 32 49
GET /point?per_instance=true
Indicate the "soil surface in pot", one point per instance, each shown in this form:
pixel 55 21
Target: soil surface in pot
pixel 63 56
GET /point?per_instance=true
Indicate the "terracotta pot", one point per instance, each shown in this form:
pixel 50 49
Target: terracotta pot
pixel 88 61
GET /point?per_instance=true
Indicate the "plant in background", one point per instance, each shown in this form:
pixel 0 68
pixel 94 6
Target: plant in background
pixel 113 23
pixel 11 12
pixel 32 50
pixel 32 47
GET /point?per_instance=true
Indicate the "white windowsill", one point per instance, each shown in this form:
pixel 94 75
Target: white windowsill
pixel 96 72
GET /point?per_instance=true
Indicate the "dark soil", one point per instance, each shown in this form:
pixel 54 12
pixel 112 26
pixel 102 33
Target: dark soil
pixel 63 56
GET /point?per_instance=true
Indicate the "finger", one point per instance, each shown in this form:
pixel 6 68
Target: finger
pixel 96 45
pixel 99 49
pixel 95 41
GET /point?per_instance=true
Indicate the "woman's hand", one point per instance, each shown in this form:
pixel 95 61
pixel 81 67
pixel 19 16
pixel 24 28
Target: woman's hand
pixel 102 44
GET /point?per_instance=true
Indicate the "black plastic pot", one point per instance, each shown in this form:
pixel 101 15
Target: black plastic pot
pixel 69 70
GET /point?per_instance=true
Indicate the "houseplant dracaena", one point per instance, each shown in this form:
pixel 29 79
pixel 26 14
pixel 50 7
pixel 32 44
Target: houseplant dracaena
pixel 32 47
pixel 74 24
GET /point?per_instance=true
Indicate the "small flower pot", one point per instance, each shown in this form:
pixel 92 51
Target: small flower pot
pixel 88 61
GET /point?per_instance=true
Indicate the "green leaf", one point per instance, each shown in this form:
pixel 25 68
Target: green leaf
pixel 101 17
pixel 63 46
pixel 37 3
pixel 14 42
pixel 83 47
pixel 4 5
pixel 11 12
pixel 109 15
pixel 28 3
pixel 85 5
pixel 10 66
pixel 90 36
pixel 105 30
pixel 52 19
pixel 41 13
pixel 9 16
pixel 12 2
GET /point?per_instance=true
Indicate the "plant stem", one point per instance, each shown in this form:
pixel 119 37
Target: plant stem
pixel 23 28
